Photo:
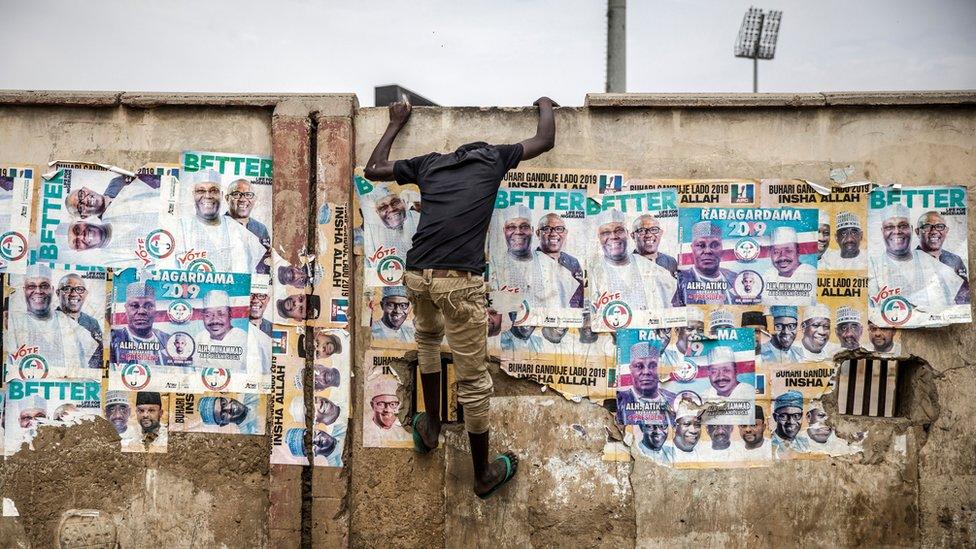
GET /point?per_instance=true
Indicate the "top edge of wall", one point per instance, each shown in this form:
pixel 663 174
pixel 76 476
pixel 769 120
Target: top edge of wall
pixel 159 99
pixel 738 100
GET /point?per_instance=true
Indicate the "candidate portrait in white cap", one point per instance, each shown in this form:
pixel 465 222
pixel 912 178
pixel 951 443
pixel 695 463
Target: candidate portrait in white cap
pixel 816 334
pixel 723 377
pixel 394 324
pixel 391 209
pixel 229 246
pixel 705 282
pixel 848 256
pixel 693 329
pixel 220 344
pixel 687 428
pixel 118 410
pixel 645 400
pixel 918 277
pixel 719 319
pixel 849 327
pixel 790 281
pixel 381 424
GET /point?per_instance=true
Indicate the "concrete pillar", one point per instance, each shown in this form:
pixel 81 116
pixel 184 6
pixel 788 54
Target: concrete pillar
pixel 291 139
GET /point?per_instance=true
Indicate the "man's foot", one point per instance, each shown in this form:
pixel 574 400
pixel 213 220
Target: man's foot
pixel 499 471
pixel 426 433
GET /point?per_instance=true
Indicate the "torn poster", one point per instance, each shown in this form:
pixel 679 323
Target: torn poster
pixel 140 418
pixel 747 256
pixel 288 396
pixel 390 215
pixel 795 388
pixel 35 402
pixel 381 403
pixel 184 331
pixel 737 193
pixel 632 263
pixel 331 395
pixel 918 257
pixel 537 247
pixel 16 205
pixel 223 214
pixel 104 217
pixel 55 321
pixel 228 413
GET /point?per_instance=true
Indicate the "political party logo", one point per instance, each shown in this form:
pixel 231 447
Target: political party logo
pixel 215 379
pixel 896 310
pixel 617 314
pixel 390 270
pixel 522 314
pixel 610 183
pixel 135 376
pixel 201 266
pixel 160 244
pixel 179 311
pixel 743 193
pixel 340 308
pixel 32 366
pixel 686 370
pixel 747 249
pixel 13 246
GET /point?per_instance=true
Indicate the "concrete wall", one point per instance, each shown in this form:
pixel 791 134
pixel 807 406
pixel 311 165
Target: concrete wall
pixel 915 485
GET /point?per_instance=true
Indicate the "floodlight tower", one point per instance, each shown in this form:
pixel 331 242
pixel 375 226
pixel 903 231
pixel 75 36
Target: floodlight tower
pixel 757 39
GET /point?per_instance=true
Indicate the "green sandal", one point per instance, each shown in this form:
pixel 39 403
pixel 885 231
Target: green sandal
pixel 509 473
pixel 419 445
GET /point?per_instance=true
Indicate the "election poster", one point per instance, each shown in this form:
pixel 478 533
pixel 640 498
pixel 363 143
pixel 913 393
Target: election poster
pixel 223 214
pixel 747 256
pixel 16 206
pixel 796 390
pixel 288 396
pixel 842 263
pixel 160 169
pixel 333 261
pixel 575 362
pixel 917 264
pixel 685 443
pixel 33 403
pixel 382 392
pixel 733 193
pixel 227 413
pixel 537 247
pixel 633 262
pixel 102 217
pixel 293 304
pixel 331 395
pixel 184 331
pixel 715 374
pixel 140 418
pixel 55 322
pixel 390 213
pixel 821 435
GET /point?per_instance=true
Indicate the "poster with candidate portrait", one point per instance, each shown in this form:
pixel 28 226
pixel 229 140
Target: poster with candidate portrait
pixel 141 420
pixel 739 256
pixel 383 395
pixel 55 322
pixel 736 193
pixel 223 214
pixel 331 395
pixel 332 266
pixel 184 331
pixel 107 217
pixel 227 413
pixel 16 208
pixel 288 396
pixel 294 303
pixel 390 213
pixel 917 264
pixel 632 263
pixel 797 390
pixel 33 403
pixel 537 247
pixel 717 374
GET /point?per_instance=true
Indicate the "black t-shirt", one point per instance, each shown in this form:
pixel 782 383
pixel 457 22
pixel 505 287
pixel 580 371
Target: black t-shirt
pixel 457 196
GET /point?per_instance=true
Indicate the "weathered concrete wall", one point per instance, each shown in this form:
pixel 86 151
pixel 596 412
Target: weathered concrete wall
pixel 915 485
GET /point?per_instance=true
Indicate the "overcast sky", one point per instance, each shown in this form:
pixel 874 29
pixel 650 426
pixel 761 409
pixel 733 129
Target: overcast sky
pixel 478 52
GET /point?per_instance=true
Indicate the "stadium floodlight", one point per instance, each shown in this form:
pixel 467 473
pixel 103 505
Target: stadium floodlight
pixel 757 39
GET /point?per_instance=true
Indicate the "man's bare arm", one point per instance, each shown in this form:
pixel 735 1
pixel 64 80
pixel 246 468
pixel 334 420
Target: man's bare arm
pixel 379 167
pixel 545 135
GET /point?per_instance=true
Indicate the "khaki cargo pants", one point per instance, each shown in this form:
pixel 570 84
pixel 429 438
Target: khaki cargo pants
pixel 453 304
